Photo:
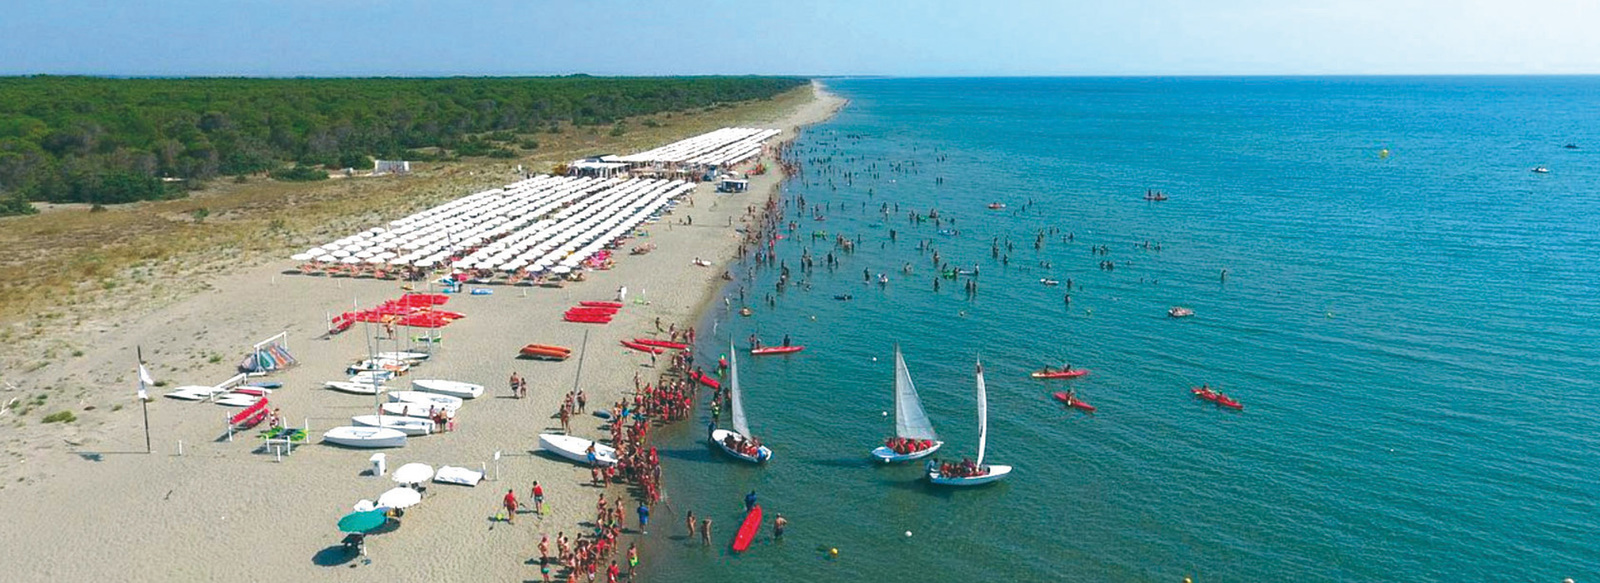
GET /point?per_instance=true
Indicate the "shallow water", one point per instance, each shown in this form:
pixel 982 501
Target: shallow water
pixel 1411 335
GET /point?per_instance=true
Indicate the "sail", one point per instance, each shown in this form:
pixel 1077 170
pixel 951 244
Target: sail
pixel 910 421
pixel 733 392
pixel 983 416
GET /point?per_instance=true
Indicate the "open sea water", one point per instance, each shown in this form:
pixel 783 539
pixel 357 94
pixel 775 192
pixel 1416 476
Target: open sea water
pixel 1413 336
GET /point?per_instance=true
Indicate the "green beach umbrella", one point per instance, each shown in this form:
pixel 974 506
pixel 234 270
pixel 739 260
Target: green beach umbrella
pixel 362 521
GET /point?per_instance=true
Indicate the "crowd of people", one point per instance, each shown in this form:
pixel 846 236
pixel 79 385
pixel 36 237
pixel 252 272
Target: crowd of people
pixel 966 468
pixel 903 446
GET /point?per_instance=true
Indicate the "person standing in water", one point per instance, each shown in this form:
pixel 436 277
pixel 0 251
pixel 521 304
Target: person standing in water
pixel 688 523
pixel 778 524
pixel 705 531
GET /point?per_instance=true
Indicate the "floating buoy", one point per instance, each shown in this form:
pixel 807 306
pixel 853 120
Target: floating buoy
pixel 885 413
pixel 833 552
pixel 908 534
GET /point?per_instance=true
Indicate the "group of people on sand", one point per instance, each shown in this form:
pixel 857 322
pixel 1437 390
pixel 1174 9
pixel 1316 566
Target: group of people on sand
pixel 965 469
pixel 585 557
pixel 904 446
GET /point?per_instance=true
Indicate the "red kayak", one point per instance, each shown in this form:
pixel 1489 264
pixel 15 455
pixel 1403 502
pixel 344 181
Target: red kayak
pixel 616 305
pixel 1060 374
pixel 1215 397
pixel 777 350
pixel 1074 402
pixel 583 310
pixel 703 379
pixel 643 347
pixel 584 319
pixel 747 529
pixel 661 343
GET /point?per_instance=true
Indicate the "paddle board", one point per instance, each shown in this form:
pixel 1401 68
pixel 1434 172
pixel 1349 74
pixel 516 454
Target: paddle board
pixel 747 529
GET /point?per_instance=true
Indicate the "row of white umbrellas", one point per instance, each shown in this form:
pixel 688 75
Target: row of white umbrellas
pixel 720 147
pixel 581 205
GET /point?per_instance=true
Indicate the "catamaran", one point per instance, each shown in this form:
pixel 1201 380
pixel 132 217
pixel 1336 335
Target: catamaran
pixel 968 473
pixel 913 431
pixel 737 442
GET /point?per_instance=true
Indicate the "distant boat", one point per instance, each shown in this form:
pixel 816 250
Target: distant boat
pixel 1179 312
pixel 995 206
pixel 1540 170
pixel 737 442
pixel 1571 146
pixel 910 421
pixel 978 472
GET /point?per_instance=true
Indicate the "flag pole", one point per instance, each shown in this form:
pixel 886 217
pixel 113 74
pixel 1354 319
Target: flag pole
pixel 144 400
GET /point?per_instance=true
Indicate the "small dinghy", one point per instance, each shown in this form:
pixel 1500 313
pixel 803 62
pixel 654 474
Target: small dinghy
pixel 406 356
pixel 235 400
pixel 426 399
pixel 364 437
pixel 1179 312
pixel 973 473
pixel 368 376
pixel 406 409
pixel 457 475
pixel 371 364
pixel 406 425
pixel 737 442
pixel 913 431
pixel 451 388
pixel 577 448
pixel 366 388
pixel 192 393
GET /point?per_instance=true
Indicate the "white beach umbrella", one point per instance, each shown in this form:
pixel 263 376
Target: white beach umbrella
pixel 412 473
pixel 400 497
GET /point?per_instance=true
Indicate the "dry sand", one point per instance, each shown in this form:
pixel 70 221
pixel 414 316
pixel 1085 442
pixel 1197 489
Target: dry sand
pixel 96 507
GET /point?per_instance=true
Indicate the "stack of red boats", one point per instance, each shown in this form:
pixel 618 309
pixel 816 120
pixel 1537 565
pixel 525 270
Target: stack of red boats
pixel 418 310
pixel 593 312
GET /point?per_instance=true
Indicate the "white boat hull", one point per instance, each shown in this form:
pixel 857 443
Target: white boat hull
pixel 406 425
pixel 368 376
pixel 404 409
pixel 237 400
pixel 577 448
pixel 382 364
pixel 424 398
pixel 452 388
pixel 995 474
pixel 888 456
pixel 364 437
pixel 354 388
pixel 763 454
pixel 406 356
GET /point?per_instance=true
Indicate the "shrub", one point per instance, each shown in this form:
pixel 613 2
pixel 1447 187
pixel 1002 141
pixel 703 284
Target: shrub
pixel 299 174
pixel 502 153
pixel 60 417
pixel 529 144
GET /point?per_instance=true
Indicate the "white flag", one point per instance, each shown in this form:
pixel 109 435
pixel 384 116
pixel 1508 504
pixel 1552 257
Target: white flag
pixel 144 380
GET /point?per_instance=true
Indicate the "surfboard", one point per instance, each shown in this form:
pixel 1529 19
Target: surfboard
pixel 747 529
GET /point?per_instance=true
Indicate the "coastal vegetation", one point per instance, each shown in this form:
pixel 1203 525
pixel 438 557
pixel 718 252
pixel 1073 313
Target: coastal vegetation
pixel 68 257
pixel 106 141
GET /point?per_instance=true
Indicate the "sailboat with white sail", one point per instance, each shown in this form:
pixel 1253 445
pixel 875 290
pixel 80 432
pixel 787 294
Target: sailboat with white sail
pixel 737 441
pixel 914 437
pixel 969 473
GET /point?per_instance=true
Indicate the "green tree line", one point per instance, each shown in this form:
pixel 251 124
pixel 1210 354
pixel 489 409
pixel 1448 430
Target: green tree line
pixel 103 140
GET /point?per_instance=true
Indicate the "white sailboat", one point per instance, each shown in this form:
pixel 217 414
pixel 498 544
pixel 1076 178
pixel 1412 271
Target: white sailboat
pixel 735 441
pixel 910 421
pixel 977 473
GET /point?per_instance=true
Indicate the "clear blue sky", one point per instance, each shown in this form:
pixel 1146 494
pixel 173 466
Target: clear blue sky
pixel 856 37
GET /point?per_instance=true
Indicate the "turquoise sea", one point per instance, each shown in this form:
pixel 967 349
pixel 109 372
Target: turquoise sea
pixel 1414 336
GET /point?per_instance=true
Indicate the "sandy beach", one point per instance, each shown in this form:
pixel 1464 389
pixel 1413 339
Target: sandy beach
pixel 87 504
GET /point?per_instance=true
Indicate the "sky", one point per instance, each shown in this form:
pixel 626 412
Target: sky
pixel 797 37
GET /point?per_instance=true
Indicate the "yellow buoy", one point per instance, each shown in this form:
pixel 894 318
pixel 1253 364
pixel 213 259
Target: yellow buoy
pixel 1384 153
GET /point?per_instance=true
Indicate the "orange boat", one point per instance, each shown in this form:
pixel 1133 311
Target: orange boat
pixel 546 352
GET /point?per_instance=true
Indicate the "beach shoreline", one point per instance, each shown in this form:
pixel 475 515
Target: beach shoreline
pixel 166 516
